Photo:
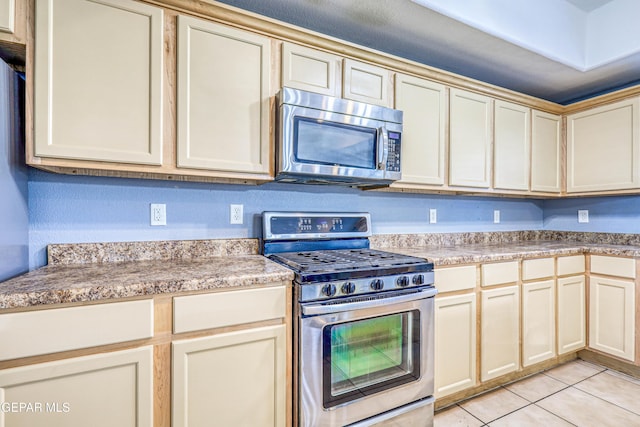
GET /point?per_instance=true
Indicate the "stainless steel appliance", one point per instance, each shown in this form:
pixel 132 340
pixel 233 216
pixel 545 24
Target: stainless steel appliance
pixel 363 322
pixel 322 139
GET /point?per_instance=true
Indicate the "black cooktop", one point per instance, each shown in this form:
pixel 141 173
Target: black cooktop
pixel 336 264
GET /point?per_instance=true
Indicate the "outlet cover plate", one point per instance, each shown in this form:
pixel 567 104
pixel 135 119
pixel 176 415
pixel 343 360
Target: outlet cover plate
pixel 158 214
pixel 235 214
pixel 583 216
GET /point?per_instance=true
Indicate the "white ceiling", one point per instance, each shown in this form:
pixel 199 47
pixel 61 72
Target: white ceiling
pixel 559 50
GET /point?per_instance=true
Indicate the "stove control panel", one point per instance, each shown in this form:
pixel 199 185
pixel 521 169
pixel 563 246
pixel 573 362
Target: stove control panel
pixel 370 285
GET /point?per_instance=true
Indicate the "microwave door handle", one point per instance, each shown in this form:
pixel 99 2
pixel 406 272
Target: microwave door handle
pixel 383 148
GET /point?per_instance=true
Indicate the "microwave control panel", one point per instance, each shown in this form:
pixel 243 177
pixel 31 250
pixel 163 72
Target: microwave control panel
pixel 393 161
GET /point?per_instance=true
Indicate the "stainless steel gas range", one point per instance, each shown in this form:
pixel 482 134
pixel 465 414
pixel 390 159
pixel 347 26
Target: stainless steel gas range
pixel 363 322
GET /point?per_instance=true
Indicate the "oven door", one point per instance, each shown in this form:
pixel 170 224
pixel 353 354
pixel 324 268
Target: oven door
pixel 365 356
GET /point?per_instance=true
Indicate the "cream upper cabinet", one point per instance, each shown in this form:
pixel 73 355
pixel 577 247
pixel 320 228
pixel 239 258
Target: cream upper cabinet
pixel 538 322
pixel 98 81
pixel 223 98
pixel 512 137
pixel 7 15
pixel 500 332
pixel 546 141
pixel 423 103
pixel 603 148
pixel 103 390
pixel 211 375
pixel 311 70
pixel 455 343
pixel 470 127
pixel 612 316
pixel 571 314
pixel 366 83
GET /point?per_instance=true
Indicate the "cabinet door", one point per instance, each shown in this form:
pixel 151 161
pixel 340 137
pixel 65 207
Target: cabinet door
pixel 7 15
pixel 500 332
pixel 455 343
pixel 545 152
pixel 612 316
pixel 104 390
pixel 223 98
pixel 538 322
pixel 237 379
pixel 366 83
pixel 511 146
pixel 309 69
pixel 470 139
pixel 98 81
pixel 423 137
pixel 571 314
pixel 603 147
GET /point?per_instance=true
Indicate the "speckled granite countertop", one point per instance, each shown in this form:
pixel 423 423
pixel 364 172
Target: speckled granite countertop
pixel 479 252
pixel 99 271
pixel 102 271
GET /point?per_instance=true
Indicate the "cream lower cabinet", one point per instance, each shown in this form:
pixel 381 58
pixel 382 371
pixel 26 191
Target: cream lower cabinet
pixel 223 98
pixel 571 313
pixel 538 322
pixel 98 81
pixel 470 127
pixel 103 390
pixel 499 332
pixel 612 316
pixel 232 379
pixel 455 343
pixel 424 124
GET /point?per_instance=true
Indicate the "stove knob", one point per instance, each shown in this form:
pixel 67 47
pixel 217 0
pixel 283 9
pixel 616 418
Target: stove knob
pixel 402 281
pixel 418 279
pixel 377 284
pixel 348 288
pixel 328 290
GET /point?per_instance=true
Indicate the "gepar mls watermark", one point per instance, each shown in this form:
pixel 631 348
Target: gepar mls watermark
pixel 35 407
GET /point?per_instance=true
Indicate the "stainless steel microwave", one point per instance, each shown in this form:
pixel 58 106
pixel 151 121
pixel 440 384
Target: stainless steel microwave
pixel 322 139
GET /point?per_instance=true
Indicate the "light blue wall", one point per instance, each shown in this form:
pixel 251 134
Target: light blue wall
pixel 68 209
pixel 14 225
pixel 619 214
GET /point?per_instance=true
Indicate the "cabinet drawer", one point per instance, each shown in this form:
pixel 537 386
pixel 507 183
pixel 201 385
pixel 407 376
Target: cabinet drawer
pixel 63 329
pixel 613 266
pixel 455 278
pixel 496 274
pixel 197 312
pixel 537 268
pixel 570 265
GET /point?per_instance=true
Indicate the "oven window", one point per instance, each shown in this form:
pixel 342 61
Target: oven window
pixel 368 356
pixel 318 141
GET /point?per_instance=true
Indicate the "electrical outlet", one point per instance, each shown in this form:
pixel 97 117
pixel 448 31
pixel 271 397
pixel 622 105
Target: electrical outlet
pixel 433 216
pixel 583 215
pixel 158 214
pixel 235 214
pixel 496 217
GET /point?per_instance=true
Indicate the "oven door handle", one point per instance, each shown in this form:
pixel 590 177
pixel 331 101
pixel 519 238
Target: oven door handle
pixel 315 309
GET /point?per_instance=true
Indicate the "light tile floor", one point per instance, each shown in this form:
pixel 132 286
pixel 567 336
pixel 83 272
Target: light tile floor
pixel 577 393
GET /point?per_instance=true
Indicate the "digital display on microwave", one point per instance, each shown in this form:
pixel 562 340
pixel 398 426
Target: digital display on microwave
pixel 330 143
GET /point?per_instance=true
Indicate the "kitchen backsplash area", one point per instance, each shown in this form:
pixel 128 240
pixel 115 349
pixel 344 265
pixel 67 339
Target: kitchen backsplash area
pixel 74 209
